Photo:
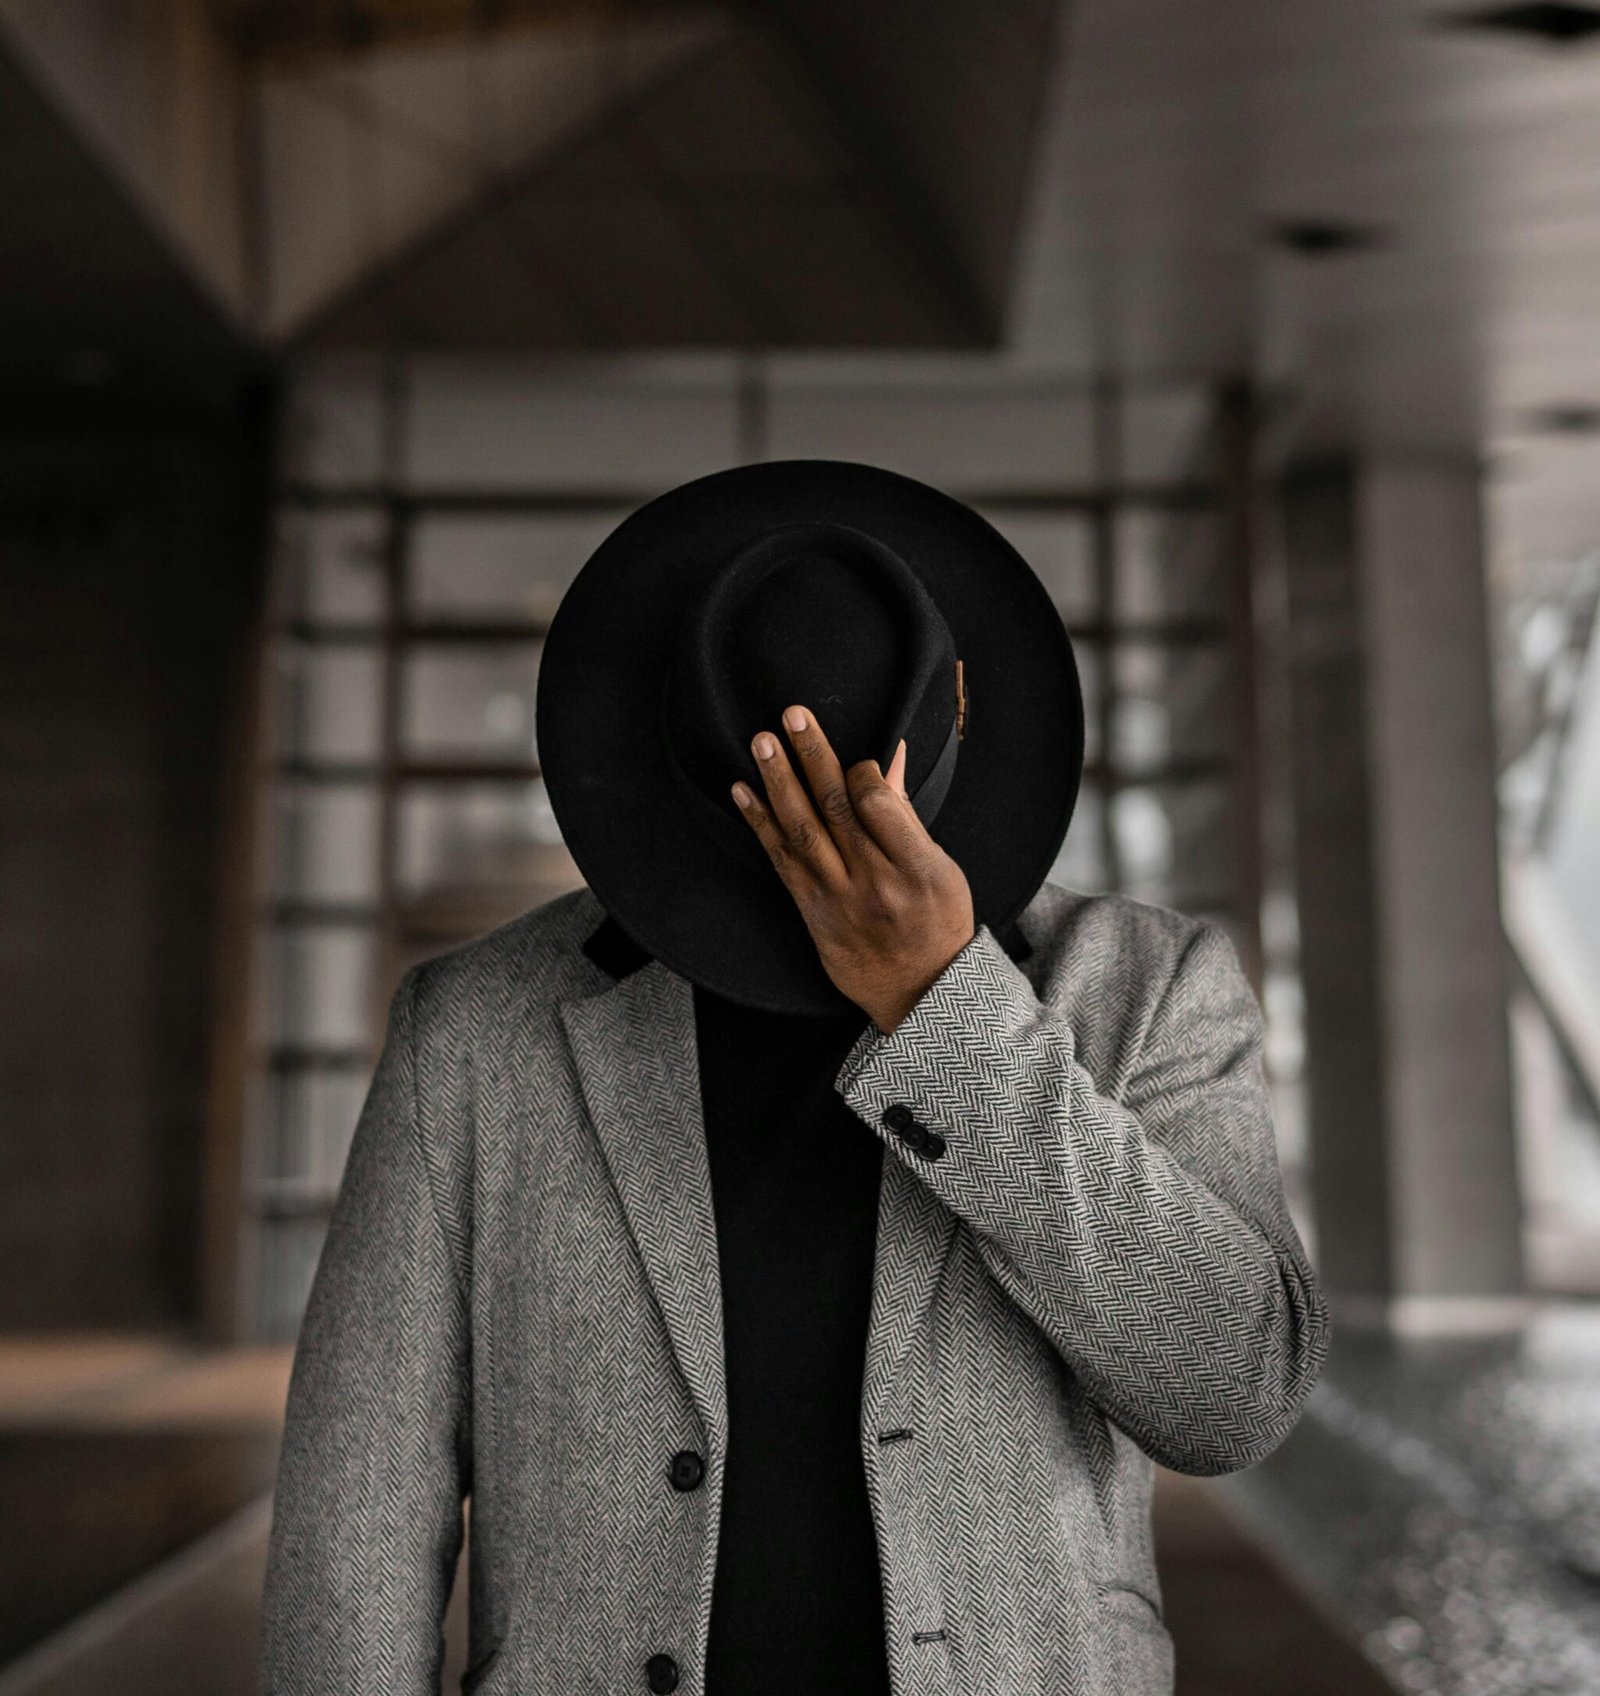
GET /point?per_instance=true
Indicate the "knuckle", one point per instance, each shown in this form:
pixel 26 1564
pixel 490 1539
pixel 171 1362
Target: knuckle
pixel 802 836
pixel 920 872
pixel 837 805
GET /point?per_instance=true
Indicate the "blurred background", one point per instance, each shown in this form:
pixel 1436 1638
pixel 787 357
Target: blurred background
pixel 334 336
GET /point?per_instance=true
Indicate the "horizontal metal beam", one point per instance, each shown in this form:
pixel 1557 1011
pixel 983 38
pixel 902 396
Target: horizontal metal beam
pixel 1175 497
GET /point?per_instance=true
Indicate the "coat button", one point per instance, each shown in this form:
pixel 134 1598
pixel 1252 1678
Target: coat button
pixel 897 1116
pixel 687 1470
pixel 933 1145
pixel 661 1673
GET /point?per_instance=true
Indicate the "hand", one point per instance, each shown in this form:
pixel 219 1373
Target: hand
pixel 887 908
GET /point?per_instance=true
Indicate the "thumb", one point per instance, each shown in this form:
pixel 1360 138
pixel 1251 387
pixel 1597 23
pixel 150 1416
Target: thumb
pixel 897 770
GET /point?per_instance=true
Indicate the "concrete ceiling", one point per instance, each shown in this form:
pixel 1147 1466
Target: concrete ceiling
pixel 96 297
pixel 288 32
pixel 1182 139
pixel 1154 192
pixel 570 174
pixel 370 161
pixel 797 175
pixel 722 205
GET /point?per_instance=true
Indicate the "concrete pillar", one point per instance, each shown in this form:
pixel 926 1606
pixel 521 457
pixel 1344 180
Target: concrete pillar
pixel 1417 1211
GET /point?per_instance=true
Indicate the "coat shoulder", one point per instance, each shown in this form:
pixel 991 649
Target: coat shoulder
pixel 1105 960
pixel 536 958
pixel 1067 925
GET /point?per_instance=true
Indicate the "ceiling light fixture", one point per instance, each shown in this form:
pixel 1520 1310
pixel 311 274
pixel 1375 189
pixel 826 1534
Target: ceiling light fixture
pixel 1321 238
pixel 1556 24
pixel 1564 418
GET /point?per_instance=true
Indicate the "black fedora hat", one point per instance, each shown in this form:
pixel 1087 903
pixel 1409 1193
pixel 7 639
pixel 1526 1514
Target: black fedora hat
pixel 854 591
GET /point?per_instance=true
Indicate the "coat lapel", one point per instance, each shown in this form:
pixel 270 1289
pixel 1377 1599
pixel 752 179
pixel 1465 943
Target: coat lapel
pixel 634 1046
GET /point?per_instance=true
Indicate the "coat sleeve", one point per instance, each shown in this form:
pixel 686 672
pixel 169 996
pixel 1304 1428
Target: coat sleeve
pixel 1147 1236
pixel 367 1516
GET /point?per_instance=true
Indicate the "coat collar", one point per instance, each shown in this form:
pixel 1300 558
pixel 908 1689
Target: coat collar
pixel 635 1048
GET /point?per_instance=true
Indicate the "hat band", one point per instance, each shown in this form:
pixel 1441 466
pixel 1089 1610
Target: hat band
pixel 737 838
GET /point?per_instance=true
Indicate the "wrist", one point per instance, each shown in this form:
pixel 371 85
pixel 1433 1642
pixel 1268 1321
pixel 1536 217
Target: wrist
pixel 893 1009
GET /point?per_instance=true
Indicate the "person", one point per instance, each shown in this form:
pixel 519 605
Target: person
pixel 799 1243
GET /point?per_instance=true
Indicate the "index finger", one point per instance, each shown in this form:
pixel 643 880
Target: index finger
pixel 828 785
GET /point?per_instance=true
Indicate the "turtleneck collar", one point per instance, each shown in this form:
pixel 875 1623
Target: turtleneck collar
pixel 615 952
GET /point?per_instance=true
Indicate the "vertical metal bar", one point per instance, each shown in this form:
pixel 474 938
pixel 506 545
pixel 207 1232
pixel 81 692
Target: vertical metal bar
pixel 233 1061
pixel 396 398
pixel 1235 414
pixel 1106 425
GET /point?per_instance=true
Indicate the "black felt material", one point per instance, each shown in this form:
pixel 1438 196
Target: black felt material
pixel 614 675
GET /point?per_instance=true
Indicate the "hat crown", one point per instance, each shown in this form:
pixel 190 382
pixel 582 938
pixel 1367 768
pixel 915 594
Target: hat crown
pixel 623 690
pixel 825 615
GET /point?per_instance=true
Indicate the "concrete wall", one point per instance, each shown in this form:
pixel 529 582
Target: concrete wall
pixel 126 576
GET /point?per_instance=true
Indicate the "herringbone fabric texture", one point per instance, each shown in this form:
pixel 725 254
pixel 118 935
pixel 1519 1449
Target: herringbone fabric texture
pixel 519 1299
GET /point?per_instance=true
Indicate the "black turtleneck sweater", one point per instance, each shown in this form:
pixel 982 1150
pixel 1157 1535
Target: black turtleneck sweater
pixel 797 1604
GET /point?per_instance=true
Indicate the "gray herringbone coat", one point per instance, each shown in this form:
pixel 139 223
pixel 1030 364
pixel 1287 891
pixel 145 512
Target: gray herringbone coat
pixel 519 1298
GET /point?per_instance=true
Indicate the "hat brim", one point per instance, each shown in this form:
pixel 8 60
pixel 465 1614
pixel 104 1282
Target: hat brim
pixel 733 929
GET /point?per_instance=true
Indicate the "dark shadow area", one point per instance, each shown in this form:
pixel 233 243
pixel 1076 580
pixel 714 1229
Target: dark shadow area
pixel 86 1512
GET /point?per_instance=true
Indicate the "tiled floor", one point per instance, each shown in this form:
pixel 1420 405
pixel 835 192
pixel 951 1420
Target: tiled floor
pixel 136 1477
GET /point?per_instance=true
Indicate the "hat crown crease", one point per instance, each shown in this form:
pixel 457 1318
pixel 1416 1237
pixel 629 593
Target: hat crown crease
pixel 725 654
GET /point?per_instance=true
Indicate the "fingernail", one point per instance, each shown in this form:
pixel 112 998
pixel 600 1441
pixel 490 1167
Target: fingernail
pixel 741 795
pixel 795 719
pixel 765 746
